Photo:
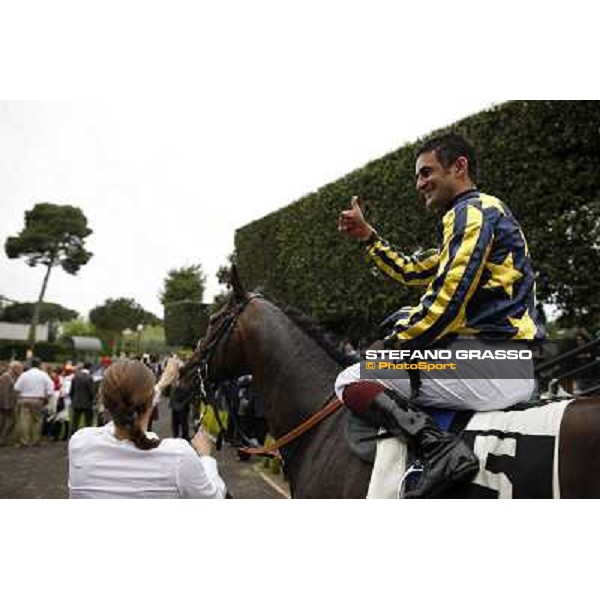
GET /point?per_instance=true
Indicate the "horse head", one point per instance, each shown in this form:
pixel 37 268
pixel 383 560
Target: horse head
pixel 219 355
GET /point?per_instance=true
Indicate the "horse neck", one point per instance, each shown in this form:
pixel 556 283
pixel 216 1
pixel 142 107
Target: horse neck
pixel 292 373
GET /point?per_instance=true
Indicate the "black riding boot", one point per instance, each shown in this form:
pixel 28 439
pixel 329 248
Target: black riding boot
pixel 448 461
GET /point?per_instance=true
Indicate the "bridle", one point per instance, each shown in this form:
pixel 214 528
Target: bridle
pixel 207 352
pixel 223 333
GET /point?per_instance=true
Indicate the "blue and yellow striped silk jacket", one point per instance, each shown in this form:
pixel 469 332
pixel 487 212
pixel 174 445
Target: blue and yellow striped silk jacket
pixel 480 281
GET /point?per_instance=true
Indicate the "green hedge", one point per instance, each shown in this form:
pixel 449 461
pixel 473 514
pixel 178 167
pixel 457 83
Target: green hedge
pixel 12 350
pixel 541 157
pixel 46 351
pixel 185 323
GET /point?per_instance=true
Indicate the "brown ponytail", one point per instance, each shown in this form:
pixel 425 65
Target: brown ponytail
pixel 127 390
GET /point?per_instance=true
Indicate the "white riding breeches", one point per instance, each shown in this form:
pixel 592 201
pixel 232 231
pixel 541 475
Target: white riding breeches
pixel 461 394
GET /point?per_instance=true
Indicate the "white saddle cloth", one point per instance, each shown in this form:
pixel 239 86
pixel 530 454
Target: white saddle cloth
pixel 391 456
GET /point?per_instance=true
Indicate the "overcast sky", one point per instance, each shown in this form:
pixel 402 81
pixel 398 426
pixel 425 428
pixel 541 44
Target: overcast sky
pixel 234 111
pixel 165 185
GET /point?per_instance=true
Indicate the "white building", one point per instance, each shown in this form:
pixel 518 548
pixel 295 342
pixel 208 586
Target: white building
pixel 19 332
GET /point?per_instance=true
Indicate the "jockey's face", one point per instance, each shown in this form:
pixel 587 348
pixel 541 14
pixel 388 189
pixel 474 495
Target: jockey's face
pixel 436 184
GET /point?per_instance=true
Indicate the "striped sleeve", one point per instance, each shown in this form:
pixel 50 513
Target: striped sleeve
pixel 467 240
pixel 409 270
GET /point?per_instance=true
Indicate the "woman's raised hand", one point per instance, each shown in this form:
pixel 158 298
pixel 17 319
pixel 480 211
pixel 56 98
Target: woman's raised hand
pixel 170 374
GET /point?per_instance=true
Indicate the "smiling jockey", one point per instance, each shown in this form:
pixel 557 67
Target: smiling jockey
pixel 479 284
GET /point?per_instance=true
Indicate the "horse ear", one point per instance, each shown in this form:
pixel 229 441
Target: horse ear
pixel 236 283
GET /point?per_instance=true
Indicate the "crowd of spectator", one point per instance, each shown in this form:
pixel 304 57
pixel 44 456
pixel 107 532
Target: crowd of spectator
pixel 45 402
pixel 42 402
pixel 105 411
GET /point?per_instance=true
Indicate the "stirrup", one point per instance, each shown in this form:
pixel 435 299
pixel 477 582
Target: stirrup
pixel 416 467
pixel 470 467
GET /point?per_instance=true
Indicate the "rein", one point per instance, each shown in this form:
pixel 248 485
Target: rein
pixel 271 449
pixel 223 332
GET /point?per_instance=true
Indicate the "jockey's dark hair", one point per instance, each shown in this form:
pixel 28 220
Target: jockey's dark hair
pixel 448 147
pixel 127 390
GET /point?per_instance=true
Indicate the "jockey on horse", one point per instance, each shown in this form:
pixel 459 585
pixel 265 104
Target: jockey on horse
pixel 479 284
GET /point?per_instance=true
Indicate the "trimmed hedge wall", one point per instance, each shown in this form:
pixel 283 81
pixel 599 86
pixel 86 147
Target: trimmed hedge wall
pixel 185 323
pixel 46 351
pixel 541 157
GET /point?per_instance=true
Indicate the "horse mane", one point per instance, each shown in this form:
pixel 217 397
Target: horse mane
pixel 324 338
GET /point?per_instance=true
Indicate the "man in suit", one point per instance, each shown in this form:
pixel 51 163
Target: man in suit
pixel 82 397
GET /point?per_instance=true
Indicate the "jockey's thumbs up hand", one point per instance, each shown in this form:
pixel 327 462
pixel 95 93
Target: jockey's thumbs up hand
pixel 352 222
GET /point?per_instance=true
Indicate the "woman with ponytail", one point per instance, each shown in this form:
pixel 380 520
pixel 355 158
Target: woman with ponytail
pixel 124 460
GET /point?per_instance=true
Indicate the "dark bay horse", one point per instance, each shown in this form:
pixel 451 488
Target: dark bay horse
pixel 294 371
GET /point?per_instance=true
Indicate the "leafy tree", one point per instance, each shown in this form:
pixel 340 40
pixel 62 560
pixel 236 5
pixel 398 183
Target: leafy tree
pixel 182 284
pixel 153 339
pixel 22 312
pixel 223 275
pixel 224 271
pixel 118 314
pixel 53 235
pixel 79 327
pixel 185 314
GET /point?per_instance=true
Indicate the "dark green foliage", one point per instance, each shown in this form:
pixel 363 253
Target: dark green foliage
pixel 10 350
pixel 185 323
pixel 53 235
pixel 186 317
pixel 22 312
pixel 186 283
pixel 118 314
pixel 50 351
pixel 46 351
pixel 539 157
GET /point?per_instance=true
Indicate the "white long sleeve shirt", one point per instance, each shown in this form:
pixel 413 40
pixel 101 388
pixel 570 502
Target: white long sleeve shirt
pixel 103 466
